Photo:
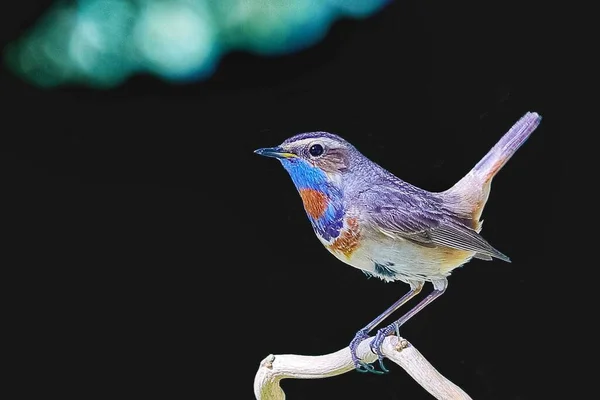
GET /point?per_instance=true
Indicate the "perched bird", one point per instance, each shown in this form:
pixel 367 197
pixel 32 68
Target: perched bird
pixel 372 220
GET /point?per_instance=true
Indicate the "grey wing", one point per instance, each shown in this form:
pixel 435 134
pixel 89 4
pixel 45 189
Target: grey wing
pixel 420 216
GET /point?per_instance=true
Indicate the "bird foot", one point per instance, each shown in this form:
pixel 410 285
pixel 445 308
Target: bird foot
pixel 378 341
pixel 360 365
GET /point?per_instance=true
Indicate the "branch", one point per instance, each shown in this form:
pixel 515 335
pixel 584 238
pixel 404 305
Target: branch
pixel 274 368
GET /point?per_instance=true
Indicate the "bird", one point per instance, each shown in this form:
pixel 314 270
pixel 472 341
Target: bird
pixel 372 220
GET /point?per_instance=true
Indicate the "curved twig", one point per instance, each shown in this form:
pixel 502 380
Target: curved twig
pixel 274 368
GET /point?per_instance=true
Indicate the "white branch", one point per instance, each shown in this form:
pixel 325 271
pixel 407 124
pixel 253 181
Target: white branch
pixel 274 368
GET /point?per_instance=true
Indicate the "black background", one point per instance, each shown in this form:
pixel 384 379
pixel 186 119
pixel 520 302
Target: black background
pixel 149 253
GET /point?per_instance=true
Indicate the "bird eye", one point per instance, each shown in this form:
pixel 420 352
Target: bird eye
pixel 316 150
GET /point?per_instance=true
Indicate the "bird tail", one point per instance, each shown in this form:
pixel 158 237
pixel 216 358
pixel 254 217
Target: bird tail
pixel 470 194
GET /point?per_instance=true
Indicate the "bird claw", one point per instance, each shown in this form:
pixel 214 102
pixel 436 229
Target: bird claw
pixel 360 365
pixel 378 341
pixel 364 368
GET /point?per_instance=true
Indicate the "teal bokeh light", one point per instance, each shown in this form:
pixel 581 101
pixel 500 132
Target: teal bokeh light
pixel 275 27
pixel 100 43
pixel 177 39
pixel 358 8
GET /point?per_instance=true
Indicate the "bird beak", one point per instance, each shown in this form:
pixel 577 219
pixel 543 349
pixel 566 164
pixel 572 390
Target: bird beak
pixel 275 152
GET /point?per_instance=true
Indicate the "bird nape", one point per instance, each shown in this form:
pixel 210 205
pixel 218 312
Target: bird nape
pixel 374 221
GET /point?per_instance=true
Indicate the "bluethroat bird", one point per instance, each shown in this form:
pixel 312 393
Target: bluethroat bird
pixel 372 220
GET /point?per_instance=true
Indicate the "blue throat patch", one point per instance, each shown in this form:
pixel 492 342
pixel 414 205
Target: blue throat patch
pixel 305 176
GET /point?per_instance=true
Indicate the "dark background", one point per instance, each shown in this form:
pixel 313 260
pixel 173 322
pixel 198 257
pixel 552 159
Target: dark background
pixel 148 252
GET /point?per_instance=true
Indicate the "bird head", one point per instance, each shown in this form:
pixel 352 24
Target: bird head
pixel 318 162
pixel 313 159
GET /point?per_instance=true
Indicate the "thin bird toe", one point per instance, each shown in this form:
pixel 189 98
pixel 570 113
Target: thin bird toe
pixel 378 341
pixel 364 368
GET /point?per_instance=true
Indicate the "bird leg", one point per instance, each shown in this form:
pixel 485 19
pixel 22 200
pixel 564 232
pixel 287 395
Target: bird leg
pixel 364 333
pixel 439 289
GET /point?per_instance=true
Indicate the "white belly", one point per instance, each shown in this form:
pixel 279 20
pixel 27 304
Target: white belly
pixel 393 259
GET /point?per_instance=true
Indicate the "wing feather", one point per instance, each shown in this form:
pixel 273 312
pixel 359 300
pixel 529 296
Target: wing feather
pixel 407 212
